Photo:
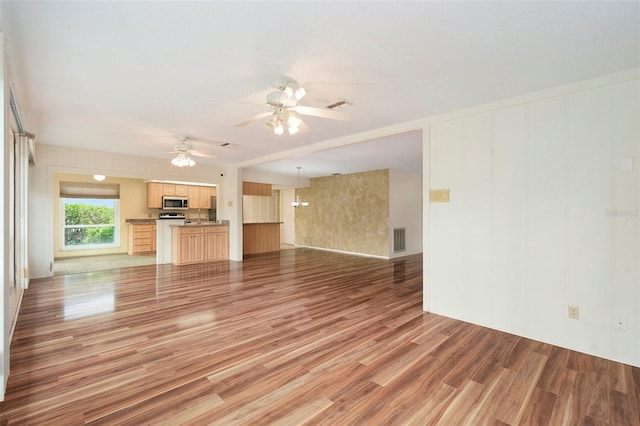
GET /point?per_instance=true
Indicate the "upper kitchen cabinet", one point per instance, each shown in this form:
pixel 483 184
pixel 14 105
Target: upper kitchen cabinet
pixel 199 196
pixel 178 190
pixel 194 197
pixel 254 188
pixel 155 191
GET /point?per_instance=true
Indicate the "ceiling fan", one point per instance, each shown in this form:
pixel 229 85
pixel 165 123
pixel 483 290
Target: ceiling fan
pixel 285 110
pixel 183 150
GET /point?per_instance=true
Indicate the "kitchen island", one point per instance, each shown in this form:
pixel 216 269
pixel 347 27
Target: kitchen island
pixel 199 242
pixel 260 237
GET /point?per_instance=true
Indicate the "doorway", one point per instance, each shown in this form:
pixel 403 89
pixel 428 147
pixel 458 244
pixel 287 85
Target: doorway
pixel 288 217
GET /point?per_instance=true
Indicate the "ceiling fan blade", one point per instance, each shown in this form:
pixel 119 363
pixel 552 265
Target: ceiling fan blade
pixel 254 119
pixel 303 127
pixel 203 155
pixel 321 112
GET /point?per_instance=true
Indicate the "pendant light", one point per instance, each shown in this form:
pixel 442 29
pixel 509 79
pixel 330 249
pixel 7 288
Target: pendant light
pixel 298 202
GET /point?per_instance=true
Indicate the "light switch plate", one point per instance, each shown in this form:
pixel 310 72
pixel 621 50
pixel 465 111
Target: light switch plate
pixel 439 195
pixel 626 164
pixel 574 312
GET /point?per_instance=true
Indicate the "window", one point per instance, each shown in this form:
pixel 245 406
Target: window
pixel 90 223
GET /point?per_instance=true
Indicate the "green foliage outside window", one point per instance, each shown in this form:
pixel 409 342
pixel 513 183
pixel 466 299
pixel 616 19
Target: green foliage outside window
pixel 96 224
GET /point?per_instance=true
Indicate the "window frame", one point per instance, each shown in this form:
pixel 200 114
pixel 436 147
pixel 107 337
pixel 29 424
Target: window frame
pixel 85 247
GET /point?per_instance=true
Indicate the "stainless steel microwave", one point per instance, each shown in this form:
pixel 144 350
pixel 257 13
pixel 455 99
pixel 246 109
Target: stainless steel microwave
pixel 175 203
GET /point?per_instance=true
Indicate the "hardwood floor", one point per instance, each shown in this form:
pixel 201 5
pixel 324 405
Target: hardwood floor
pixel 292 337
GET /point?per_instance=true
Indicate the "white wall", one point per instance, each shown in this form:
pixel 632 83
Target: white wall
pixel 405 210
pixel 50 159
pixel 277 181
pixel 541 216
pixel 287 216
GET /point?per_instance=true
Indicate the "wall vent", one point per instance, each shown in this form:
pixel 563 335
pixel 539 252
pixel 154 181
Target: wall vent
pixel 340 103
pixel 399 240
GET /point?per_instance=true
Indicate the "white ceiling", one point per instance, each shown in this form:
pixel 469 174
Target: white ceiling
pixel 128 77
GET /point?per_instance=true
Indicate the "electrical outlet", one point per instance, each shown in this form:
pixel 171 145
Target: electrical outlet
pixel 621 324
pixel 574 312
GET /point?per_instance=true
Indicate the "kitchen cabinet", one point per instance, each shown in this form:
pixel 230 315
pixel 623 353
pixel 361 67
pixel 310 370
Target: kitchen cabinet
pixel 199 196
pixel 169 189
pixel 187 245
pixel 194 197
pixel 254 188
pixel 182 190
pixel 205 196
pixel 196 244
pixel 216 243
pixel 174 189
pixel 259 209
pixel 141 238
pixel 155 191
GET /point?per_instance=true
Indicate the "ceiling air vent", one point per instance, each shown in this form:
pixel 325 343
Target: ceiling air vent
pixel 340 103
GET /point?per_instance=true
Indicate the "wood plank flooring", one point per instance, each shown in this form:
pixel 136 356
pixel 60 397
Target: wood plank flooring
pixel 287 338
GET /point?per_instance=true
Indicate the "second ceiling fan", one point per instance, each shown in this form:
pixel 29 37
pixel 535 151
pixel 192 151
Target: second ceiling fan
pixel 285 112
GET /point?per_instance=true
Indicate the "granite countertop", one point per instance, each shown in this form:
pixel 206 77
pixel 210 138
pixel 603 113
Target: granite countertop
pixel 193 223
pixel 140 221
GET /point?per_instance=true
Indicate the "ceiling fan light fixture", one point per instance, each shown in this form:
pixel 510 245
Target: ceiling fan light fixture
pixel 183 160
pixel 278 129
pixel 300 92
pixel 293 121
pixel 286 110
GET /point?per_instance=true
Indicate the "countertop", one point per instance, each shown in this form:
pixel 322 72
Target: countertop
pixel 202 223
pixel 141 221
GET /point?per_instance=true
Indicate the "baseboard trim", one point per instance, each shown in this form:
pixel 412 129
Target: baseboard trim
pixel 345 252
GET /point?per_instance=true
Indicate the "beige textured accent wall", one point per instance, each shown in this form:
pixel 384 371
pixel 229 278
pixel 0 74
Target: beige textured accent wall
pixel 347 213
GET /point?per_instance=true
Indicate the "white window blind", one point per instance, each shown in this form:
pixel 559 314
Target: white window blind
pixel 89 190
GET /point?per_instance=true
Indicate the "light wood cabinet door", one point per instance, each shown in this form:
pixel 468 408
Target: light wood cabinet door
pixel 182 190
pixel 197 248
pixel 155 191
pixel 194 197
pixel 169 189
pixel 187 245
pixel 217 243
pixel 183 249
pixel 205 196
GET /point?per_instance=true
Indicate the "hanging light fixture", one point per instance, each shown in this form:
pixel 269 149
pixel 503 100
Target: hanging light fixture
pixel 283 118
pixel 298 202
pixel 183 160
pixel 183 148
